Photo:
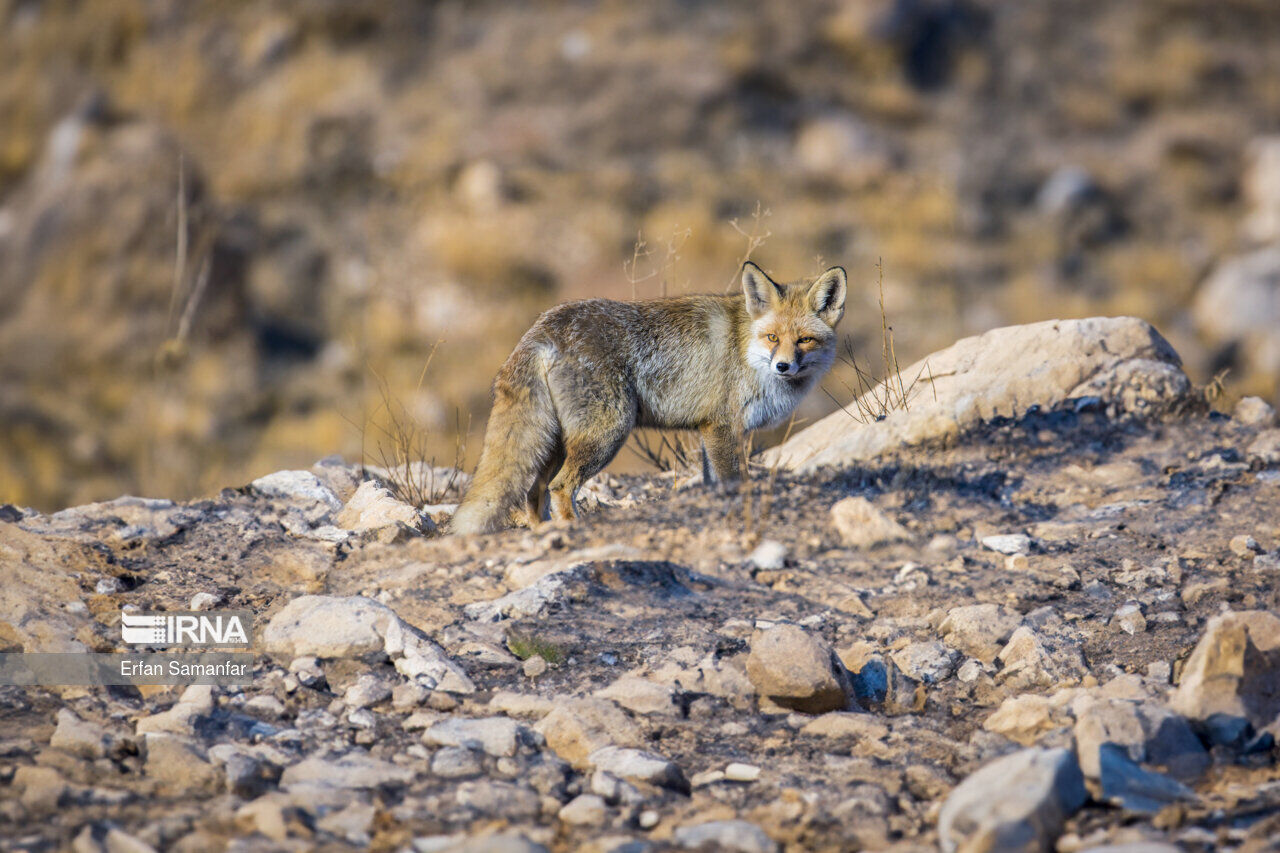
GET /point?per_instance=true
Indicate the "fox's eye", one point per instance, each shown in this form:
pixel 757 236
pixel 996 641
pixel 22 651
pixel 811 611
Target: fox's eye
pixel 773 339
pixel 805 341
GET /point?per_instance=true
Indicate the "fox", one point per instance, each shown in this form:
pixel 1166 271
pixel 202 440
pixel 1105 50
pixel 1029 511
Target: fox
pixel 589 372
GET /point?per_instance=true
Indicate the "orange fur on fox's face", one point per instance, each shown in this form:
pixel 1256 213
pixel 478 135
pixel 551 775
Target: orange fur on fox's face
pixel 793 325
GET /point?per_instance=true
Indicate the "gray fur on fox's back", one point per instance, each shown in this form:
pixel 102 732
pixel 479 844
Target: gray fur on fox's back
pixel 589 372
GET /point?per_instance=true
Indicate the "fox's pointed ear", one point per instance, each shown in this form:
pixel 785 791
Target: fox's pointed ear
pixel 826 295
pixel 762 294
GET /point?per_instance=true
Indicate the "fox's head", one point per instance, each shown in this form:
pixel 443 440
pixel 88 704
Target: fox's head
pixel 793 326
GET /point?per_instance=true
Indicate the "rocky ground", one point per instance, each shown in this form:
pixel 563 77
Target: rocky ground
pixel 1055 626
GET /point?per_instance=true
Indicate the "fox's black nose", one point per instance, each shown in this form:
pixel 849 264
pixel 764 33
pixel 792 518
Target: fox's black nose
pixel 782 366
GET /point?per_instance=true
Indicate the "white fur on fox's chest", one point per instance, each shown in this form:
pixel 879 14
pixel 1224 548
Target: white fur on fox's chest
pixel 772 401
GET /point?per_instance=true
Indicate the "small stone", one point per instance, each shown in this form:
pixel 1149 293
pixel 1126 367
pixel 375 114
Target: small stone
pixel 1016 563
pixel 641 696
pixel 307 670
pixel 108 586
pixel 180 764
pixel 739 772
pixel 1265 449
pixel 929 662
pixel 456 762
pixel 441 701
pixel 862 525
pixel 368 690
pixel 1023 718
pixel 496 736
pixel 351 823
pixel 248 776
pixel 265 705
pixel 839 724
pixel 534 666
pixel 105 838
pixel 639 766
pixel 584 810
pixel 706 777
pixel 42 788
pixel 356 769
pixel 793 669
pixel 81 738
pixel 205 601
pixel 969 671
pixel 1244 546
pixel 769 555
pixel 648 819
pixel 500 799
pixel 408 695
pixel 1233 670
pixel 276 816
pixel 1129 618
pixel 576 728
pixel 362 718
pixel 1018 802
pixel 738 836
pixel 1254 411
pixel 1008 543
pixel 1134 788
pixel 1148 732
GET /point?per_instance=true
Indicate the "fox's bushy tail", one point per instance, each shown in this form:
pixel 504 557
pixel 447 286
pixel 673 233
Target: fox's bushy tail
pixel 518 441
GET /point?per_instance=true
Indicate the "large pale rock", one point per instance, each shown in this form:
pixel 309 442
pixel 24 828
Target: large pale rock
pixel 1240 304
pixel 1015 803
pixel 1003 372
pixel 1234 670
pixel 327 626
pixel 793 669
pixel 297 486
pixel 373 507
pixel 862 525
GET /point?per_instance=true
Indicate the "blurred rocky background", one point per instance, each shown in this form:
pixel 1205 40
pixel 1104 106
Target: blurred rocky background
pixel 230 232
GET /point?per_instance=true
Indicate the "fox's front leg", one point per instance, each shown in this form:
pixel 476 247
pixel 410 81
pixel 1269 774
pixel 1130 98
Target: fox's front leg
pixel 724 447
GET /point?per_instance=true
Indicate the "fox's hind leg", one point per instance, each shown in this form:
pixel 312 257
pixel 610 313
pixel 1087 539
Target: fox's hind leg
pixel 537 500
pixel 595 419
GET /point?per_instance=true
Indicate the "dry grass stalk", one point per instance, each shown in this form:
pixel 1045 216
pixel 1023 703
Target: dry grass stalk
pixel 402 445
pixel 874 399
pixel 755 238
pixel 665 450
pixel 661 270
